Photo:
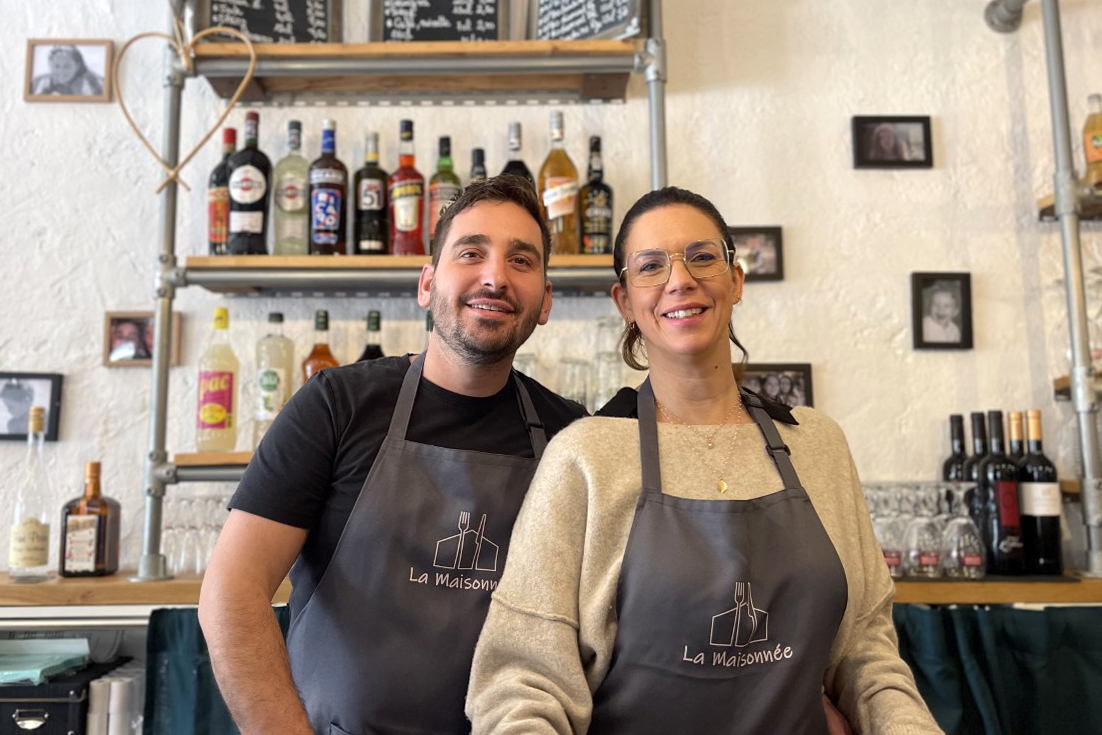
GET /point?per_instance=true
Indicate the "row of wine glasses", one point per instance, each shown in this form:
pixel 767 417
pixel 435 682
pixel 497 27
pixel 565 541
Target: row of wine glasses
pixel 191 528
pixel 924 529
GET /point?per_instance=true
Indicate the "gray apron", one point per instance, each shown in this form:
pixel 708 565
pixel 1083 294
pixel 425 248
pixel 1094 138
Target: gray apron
pixel 385 643
pixel 727 609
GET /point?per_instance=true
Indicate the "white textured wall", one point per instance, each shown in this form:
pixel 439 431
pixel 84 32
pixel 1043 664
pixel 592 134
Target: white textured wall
pixel 759 103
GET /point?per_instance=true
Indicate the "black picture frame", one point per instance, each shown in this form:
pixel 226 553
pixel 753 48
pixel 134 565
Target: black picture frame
pixel 904 149
pixel 798 372
pixel 936 330
pixel 19 392
pixel 760 250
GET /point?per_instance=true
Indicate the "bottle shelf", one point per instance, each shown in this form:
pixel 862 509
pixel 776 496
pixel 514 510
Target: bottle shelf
pixel 1000 591
pixel 356 275
pixel 1090 204
pixel 423 71
pixel 213 459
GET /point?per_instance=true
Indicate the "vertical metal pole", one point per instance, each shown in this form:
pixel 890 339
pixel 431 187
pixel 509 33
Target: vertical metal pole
pixel 152 565
pixel 656 93
pixel 1067 209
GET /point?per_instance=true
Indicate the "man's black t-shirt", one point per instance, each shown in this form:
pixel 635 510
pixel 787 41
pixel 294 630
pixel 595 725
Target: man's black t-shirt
pixel 312 463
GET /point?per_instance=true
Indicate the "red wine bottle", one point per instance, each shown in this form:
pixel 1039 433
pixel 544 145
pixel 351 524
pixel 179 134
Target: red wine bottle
pixel 952 470
pixel 1040 496
pixel 1017 446
pixel 999 482
pixel 974 498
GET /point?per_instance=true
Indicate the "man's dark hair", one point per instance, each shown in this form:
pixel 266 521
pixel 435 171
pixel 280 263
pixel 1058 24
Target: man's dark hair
pixel 501 188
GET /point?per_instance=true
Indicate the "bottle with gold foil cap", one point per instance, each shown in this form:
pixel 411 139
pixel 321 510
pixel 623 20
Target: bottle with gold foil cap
pixel 90 530
pixel 29 549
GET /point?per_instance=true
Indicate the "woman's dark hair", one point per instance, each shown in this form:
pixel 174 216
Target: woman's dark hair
pixel 631 346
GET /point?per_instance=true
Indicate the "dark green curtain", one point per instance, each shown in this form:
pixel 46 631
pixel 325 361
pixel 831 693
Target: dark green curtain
pixel 181 697
pixel 1002 671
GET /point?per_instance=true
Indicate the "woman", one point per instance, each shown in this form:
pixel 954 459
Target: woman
pixel 887 144
pixel 666 575
pixel 68 75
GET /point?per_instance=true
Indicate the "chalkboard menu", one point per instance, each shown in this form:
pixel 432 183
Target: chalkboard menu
pixel 570 20
pixel 277 21
pixel 442 20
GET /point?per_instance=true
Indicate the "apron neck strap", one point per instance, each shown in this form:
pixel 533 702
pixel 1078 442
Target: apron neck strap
pixel 403 409
pixel 648 438
pixel 776 447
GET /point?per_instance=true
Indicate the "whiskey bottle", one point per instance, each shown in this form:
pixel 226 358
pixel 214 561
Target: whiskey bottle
pixel 320 356
pixel 516 165
pixel 218 196
pixel 444 186
pixel 328 193
pixel 595 200
pixel 291 216
pixel 250 171
pixel 406 188
pixel 371 233
pixel 29 550
pixel 90 531
pixel 558 187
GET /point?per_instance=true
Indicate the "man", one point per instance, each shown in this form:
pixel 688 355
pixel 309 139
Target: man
pixel 395 486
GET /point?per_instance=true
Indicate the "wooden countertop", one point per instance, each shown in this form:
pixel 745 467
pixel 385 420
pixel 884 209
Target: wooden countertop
pixel 184 590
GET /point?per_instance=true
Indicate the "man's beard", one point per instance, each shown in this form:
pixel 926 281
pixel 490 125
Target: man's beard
pixel 481 349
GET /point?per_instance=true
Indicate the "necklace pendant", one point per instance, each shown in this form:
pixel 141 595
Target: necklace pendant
pixel 722 486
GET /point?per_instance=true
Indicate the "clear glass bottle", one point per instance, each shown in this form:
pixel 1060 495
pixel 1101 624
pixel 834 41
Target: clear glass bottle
pixel 558 187
pixel 216 419
pixel 29 551
pixel 320 356
pixel 291 216
pixel 90 531
pixel 275 360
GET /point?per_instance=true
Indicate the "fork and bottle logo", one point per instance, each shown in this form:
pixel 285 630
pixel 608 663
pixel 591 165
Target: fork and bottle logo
pixel 468 550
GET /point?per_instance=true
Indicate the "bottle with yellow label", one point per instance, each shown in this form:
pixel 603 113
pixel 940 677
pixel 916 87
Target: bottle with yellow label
pixel 28 554
pixel 216 420
pixel 1092 141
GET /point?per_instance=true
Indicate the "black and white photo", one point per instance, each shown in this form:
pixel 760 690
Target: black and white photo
pixel 892 142
pixel 941 311
pixel 68 70
pixel 760 251
pixel 19 393
pixel 786 383
pixel 128 339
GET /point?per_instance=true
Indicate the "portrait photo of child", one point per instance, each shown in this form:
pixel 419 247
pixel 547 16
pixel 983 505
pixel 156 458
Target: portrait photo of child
pixel 941 310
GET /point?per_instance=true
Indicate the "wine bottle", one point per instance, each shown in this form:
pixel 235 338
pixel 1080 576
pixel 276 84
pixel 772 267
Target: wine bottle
pixel 999 481
pixel 974 497
pixel 1017 446
pixel 90 531
pixel 29 549
pixel 406 188
pixel 275 356
pixel 1041 505
pixel 320 356
pixel 218 196
pixel 374 347
pixel 328 193
pixel 250 171
pixel 952 469
pixel 371 232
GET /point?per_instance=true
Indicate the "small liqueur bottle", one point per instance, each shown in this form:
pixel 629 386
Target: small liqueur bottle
pixel 1041 505
pixel 478 165
pixel 558 187
pixel 320 356
pixel 291 215
pixel 595 200
pixel 90 531
pixel 406 188
pixel 372 233
pixel 328 193
pixel 275 355
pixel 444 186
pixel 218 196
pixel 516 165
pixel 29 549
pixel 216 416
pixel 374 347
pixel 250 173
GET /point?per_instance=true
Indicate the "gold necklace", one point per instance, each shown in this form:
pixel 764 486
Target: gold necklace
pixel 709 439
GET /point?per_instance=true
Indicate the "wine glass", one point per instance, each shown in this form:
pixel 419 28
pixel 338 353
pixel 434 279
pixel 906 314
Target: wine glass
pixel 962 550
pixel 922 539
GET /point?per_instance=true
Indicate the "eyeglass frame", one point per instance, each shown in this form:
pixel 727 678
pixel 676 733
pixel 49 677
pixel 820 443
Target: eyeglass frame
pixel 729 258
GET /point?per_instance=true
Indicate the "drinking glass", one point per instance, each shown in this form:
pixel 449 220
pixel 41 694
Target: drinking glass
pixel 922 539
pixel 962 550
pixel 607 378
pixel 572 380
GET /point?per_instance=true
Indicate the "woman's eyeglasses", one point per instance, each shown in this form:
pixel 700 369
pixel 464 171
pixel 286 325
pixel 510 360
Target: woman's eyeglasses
pixel 702 258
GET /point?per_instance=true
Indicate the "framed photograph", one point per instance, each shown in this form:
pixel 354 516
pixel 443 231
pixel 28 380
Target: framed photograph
pixel 892 142
pixel 19 393
pixel 68 70
pixel 783 382
pixel 941 311
pixel 760 250
pixel 128 339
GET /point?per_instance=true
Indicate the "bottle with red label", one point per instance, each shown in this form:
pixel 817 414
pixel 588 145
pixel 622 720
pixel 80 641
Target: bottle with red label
pixel 218 196
pixel 999 483
pixel 407 200
pixel 216 415
pixel 250 192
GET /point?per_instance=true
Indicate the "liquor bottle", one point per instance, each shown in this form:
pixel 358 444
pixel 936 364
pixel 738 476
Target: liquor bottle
pixel 328 194
pixel 320 357
pixel 478 165
pixel 29 550
pixel 1017 443
pixel 216 420
pixel 1040 494
pixel 999 481
pixel 444 186
pixel 374 346
pixel 218 196
pixel 952 470
pixel 1092 141
pixel 516 165
pixel 291 215
pixel 275 359
pixel 595 200
pixel 371 232
pixel 250 172
pixel 406 188
pixel 558 187
pixel 974 498
pixel 429 324
pixel 90 531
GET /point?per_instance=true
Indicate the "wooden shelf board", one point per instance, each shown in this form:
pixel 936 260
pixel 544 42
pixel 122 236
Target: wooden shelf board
pixel 358 262
pixel 212 459
pixel 998 592
pixel 1046 209
pixel 116 589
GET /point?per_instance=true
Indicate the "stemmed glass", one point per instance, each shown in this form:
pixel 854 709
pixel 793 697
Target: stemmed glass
pixel 962 550
pixel 922 540
pixel 884 512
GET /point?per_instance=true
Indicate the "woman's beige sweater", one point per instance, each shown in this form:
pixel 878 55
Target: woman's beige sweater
pixel 548 638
